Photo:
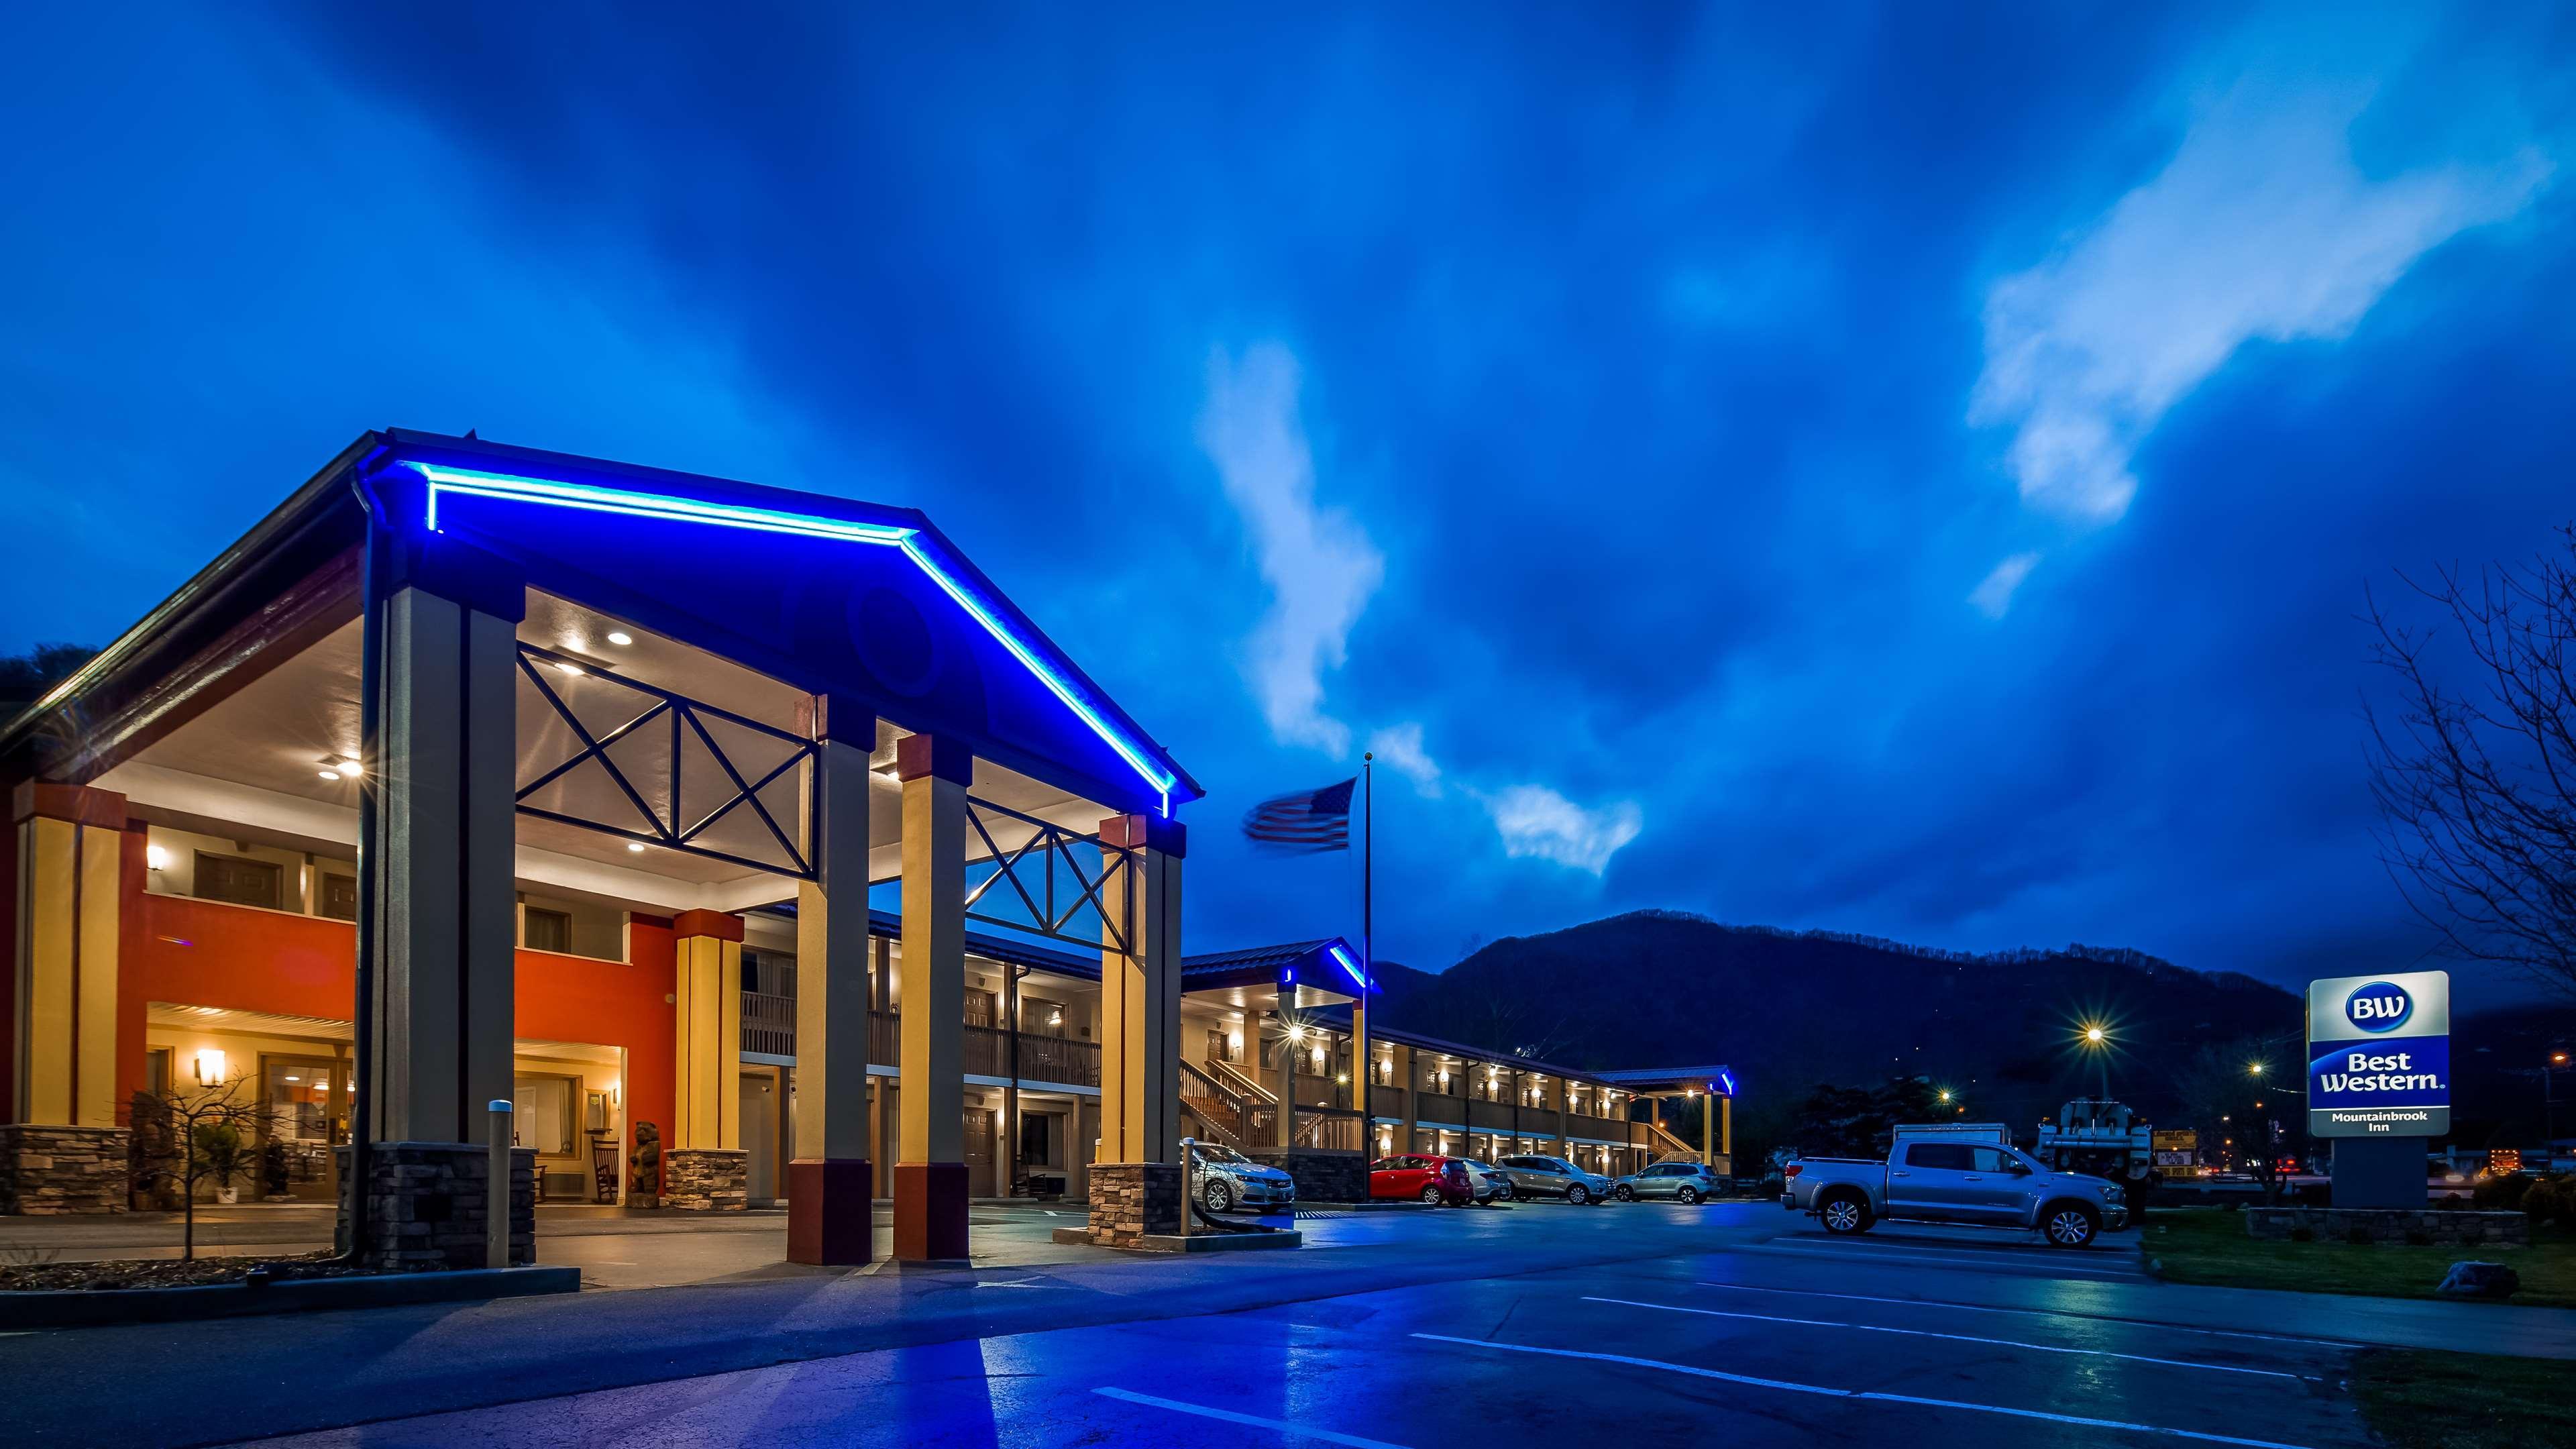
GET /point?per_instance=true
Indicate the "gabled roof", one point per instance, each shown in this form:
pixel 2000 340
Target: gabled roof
pixel 828 593
pixel 832 596
pixel 1717 1080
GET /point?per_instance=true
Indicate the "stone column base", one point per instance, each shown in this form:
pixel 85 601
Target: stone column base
pixel 427 1205
pixel 831 1211
pixel 51 1170
pixel 1133 1200
pixel 706 1179
pixel 930 1212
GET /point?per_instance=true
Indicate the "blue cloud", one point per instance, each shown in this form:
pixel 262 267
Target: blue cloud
pixel 1638 348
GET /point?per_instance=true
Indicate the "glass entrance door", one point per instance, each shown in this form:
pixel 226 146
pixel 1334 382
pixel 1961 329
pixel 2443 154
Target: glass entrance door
pixel 305 1109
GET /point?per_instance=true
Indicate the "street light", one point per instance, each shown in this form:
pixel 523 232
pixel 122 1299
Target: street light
pixel 2095 1037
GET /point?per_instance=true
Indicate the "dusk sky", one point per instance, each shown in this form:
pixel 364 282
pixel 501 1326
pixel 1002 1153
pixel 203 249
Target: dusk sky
pixel 1912 472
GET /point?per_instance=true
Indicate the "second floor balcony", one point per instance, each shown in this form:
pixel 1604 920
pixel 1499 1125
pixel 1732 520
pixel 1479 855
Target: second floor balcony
pixel 769 1030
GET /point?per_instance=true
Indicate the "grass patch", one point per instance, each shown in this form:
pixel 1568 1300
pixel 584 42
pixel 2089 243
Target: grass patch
pixel 2428 1399
pixel 2207 1245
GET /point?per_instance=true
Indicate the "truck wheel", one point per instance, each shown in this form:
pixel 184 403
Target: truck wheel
pixel 1845 1212
pixel 2071 1225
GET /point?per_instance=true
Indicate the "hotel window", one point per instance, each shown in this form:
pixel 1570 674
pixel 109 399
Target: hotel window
pixel 338 897
pixel 544 930
pixel 240 882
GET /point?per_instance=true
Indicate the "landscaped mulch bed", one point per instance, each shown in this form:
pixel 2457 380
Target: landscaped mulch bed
pixel 166 1272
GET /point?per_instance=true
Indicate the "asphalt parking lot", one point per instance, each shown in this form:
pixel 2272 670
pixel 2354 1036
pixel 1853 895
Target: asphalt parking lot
pixel 1538 1324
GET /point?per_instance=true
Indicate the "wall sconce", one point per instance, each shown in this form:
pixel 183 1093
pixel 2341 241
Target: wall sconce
pixel 1056 1017
pixel 1319 1057
pixel 1234 1044
pixel 157 857
pixel 209 1067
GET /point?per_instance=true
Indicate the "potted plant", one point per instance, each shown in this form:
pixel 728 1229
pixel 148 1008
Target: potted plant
pixel 219 1147
pixel 273 1171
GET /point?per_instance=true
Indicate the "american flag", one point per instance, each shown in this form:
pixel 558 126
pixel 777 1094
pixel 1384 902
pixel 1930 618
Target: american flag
pixel 1305 821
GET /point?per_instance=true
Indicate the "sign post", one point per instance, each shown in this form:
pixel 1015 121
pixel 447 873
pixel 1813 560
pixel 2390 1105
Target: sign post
pixel 2379 1080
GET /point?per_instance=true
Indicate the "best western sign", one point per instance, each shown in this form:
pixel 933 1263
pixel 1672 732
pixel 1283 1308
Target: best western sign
pixel 2379 1055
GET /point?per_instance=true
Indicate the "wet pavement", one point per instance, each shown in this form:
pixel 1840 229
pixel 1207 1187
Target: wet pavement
pixel 1536 1325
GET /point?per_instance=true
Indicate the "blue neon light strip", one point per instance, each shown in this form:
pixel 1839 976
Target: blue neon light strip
pixel 1349 965
pixel 632 504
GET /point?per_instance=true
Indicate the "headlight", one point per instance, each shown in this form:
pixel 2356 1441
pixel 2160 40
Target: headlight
pixel 2110 1192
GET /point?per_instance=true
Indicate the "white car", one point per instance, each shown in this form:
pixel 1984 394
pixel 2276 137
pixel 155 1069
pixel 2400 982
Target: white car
pixel 1224 1180
pixel 1490 1184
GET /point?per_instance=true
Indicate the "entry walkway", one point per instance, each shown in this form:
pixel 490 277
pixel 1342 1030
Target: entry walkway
pixel 613 1247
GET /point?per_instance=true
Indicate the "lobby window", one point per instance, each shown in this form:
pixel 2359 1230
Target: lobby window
pixel 571 928
pixel 239 881
pixel 544 930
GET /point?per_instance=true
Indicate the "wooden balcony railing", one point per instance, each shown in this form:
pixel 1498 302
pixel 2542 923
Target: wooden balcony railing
pixel 769 1023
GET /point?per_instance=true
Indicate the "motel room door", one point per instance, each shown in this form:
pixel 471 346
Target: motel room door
pixel 760 1136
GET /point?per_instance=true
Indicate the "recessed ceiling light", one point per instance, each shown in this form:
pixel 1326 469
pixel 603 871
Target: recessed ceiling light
pixel 620 636
pixel 330 774
pixel 636 846
pixel 568 668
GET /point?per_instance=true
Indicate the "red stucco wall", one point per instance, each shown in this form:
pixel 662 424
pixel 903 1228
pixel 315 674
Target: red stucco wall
pixel 203 953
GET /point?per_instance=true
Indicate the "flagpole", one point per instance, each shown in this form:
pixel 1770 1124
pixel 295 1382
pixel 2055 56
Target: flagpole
pixel 1363 1053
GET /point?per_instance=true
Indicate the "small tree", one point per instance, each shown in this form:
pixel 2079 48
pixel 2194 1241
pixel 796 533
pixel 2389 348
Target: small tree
pixel 2224 1096
pixel 200 1133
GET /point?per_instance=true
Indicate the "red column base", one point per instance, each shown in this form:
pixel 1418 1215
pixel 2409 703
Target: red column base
pixel 929 1211
pixel 831 1211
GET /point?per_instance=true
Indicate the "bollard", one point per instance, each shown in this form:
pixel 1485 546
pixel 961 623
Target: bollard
pixel 496 1222
pixel 1189 1199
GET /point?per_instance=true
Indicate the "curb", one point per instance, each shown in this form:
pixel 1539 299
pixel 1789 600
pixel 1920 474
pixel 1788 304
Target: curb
pixel 86 1308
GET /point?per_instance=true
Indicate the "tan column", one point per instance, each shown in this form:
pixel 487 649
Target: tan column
pixel 1707 1129
pixel 1726 1131
pixel 1140 992
pixel 1408 1071
pixel 930 1179
pixel 69 844
pixel 831 1177
pixel 707 1007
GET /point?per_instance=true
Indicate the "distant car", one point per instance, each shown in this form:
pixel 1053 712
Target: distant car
pixel 1423 1177
pixel 1554 1177
pixel 1223 1180
pixel 1681 1182
pixel 1489 1184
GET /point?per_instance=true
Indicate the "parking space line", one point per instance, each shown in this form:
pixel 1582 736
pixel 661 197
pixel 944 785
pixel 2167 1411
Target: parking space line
pixel 1868 1395
pixel 1953 1337
pixel 2036 1313
pixel 2036 1266
pixel 1255 1420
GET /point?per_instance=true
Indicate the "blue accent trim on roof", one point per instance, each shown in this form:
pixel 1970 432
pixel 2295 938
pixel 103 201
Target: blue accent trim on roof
pixel 454 471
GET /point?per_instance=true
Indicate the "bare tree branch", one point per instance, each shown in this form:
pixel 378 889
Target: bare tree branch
pixel 2476 783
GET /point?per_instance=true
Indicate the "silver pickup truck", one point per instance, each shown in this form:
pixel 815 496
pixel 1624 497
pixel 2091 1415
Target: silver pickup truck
pixel 1944 1178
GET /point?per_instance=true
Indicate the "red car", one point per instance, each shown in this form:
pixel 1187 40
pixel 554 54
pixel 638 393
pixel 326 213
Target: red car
pixel 1422 1175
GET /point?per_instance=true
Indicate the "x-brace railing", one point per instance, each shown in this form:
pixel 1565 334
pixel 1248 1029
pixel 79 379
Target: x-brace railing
pixel 1048 843
pixel 681 716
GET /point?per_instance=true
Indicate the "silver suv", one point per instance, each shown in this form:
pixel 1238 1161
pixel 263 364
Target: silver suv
pixel 1554 1177
pixel 1681 1182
